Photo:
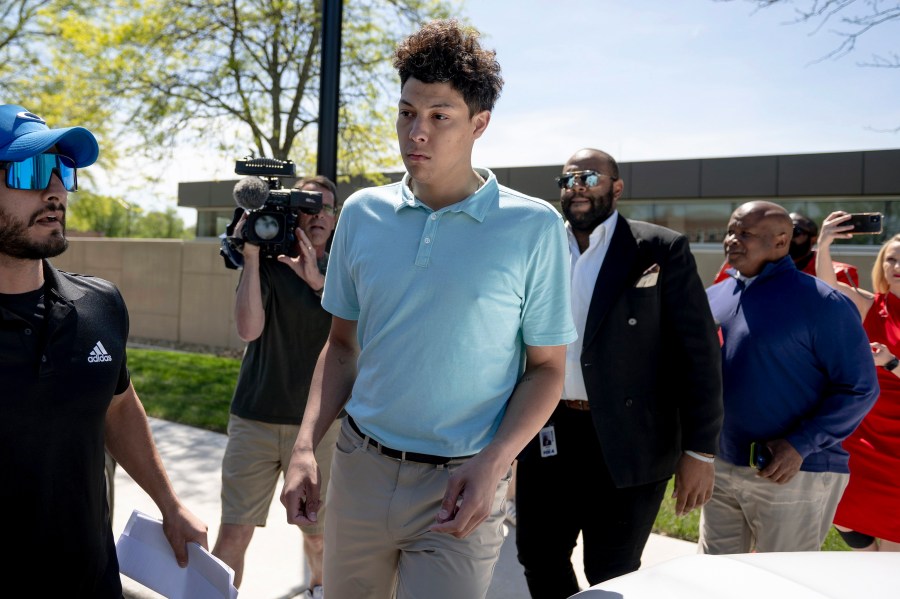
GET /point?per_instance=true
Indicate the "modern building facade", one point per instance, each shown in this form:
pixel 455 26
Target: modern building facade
pixel 694 196
pixel 180 291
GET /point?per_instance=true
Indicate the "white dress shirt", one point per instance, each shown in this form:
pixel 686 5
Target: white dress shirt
pixel 585 268
pixel 745 280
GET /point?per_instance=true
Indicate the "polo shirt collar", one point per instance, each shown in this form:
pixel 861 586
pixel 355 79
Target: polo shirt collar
pixel 59 286
pixel 771 269
pixel 476 205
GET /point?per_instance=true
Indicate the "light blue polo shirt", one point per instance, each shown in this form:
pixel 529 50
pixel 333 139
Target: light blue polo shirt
pixel 446 301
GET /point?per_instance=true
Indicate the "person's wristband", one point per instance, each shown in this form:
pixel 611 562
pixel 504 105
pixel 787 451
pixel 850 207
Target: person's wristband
pixel 701 457
pixel 892 364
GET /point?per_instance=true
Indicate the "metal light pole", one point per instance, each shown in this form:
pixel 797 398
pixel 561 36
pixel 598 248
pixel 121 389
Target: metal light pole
pixel 329 91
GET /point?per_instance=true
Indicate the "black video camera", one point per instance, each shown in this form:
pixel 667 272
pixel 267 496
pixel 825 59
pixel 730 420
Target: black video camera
pixel 272 211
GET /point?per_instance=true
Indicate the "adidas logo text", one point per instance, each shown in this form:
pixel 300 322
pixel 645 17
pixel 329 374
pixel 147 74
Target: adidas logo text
pixel 99 354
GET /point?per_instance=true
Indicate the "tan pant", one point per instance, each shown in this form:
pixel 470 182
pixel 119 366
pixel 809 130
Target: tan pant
pixel 377 542
pixel 748 513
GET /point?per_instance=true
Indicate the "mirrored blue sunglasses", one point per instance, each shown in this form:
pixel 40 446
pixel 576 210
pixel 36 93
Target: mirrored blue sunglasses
pixel 34 173
pixel 586 178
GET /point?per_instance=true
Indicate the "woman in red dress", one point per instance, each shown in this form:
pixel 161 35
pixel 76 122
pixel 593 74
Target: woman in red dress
pixel 868 517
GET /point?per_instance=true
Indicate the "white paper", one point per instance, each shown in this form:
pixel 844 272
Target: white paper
pixel 146 557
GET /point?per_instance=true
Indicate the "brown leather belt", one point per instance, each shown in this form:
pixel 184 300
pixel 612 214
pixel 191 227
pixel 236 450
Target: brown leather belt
pixel 576 404
pixel 409 456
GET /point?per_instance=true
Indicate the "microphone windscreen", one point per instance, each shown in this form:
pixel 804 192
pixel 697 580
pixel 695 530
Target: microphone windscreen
pixel 251 193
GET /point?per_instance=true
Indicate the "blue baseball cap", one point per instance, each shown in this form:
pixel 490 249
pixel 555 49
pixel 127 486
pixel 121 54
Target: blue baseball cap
pixel 24 134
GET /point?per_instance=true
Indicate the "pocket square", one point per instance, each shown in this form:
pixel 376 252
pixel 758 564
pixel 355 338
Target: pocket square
pixel 650 276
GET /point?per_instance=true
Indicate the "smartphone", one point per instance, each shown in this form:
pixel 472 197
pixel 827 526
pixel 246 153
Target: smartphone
pixel 760 455
pixel 865 223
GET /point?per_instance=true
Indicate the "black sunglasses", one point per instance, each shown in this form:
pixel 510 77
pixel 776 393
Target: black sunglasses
pixel 585 178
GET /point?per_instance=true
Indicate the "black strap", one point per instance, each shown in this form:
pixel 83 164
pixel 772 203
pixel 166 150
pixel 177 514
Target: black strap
pixel 409 456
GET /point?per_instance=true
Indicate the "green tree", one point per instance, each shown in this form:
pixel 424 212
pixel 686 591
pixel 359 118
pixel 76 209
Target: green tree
pixel 103 215
pixel 161 225
pixel 112 217
pixel 33 73
pixel 19 34
pixel 241 74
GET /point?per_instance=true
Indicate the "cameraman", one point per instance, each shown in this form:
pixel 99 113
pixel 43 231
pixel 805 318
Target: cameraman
pixel 278 313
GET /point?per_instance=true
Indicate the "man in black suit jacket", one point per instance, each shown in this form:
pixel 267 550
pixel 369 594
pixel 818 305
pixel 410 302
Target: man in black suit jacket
pixel 642 397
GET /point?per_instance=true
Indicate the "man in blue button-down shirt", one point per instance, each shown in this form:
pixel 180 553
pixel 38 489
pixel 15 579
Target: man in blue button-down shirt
pixel 798 377
pixel 450 303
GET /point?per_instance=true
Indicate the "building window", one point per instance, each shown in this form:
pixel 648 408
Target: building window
pixel 706 221
pixel 212 223
pixel 699 221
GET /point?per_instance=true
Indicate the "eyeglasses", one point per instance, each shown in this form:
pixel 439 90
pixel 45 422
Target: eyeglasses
pixel 34 173
pixel 328 210
pixel 586 178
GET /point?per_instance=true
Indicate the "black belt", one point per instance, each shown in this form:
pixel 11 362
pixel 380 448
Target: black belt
pixel 409 456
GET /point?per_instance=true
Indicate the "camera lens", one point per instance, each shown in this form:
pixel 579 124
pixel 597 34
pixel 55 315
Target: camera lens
pixel 873 219
pixel 266 227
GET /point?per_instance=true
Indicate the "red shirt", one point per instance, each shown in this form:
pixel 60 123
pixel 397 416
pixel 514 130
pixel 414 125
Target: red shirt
pixel 844 272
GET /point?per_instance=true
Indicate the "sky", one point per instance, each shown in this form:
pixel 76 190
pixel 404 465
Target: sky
pixel 652 80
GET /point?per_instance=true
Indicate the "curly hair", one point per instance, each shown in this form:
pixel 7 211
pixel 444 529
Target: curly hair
pixel 443 51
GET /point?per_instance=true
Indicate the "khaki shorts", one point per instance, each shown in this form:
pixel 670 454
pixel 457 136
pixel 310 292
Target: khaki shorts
pixel 256 455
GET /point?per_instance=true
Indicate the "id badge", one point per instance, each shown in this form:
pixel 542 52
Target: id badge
pixel 547 437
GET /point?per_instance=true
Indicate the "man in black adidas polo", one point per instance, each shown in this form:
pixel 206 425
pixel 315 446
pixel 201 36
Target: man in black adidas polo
pixel 65 391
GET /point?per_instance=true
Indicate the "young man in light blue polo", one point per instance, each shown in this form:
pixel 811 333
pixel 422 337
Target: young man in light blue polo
pixel 451 315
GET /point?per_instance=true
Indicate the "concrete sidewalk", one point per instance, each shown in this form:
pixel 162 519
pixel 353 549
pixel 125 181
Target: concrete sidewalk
pixel 274 567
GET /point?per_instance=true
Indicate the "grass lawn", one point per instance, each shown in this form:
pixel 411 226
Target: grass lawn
pixel 195 389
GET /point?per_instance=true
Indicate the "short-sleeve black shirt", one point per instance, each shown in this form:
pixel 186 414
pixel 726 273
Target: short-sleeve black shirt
pixel 59 370
pixel 277 367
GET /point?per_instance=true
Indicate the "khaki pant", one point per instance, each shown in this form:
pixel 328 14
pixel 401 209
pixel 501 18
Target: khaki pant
pixel 748 513
pixel 377 542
